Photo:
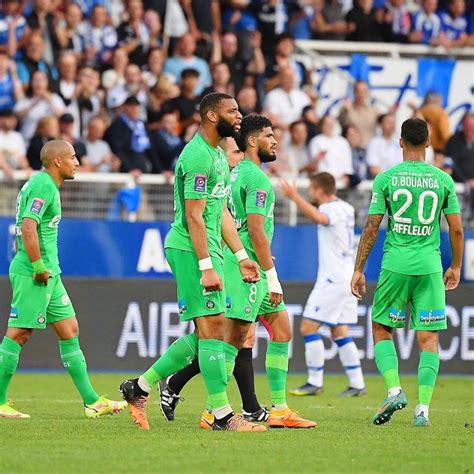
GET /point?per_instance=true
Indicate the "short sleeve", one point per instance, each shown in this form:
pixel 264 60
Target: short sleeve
pixel 326 210
pixel 451 203
pixel 196 170
pixel 377 202
pixel 38 199
pixel 257 194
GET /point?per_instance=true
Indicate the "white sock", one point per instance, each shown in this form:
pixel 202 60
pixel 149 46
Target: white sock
pixel 349 357
pixel 143 384
pixel 220 413
pixel 394 391
pixel 314 354
pixel 425 409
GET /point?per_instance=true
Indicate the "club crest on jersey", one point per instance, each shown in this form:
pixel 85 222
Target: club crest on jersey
pixel 261 198
pixel 200 183
pixel 37 205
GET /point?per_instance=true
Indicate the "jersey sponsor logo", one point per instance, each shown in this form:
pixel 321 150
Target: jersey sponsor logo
pixel 375 197
pixel 13 313
pixel 397 315
pixel 37 205
pixel 408 229
pixel 200 183
pixel 261 198
pixel 54 223
pixel 220 191
pixel 432 316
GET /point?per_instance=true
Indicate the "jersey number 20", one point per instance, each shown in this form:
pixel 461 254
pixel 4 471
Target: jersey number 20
pixel 398 216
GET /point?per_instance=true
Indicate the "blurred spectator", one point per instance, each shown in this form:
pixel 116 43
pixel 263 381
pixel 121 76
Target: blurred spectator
pixel 133 34
pixel 47 129
pixel 71 30
pixel 328 21
pixel 128 138
pixel 298 152
pixel 454 23
pixel 203 16
pixel 184 58
pixel 67 66
pixel 398 21
pixel 300 15
pixel 39 102
pixel 32 61
pixel 116 76
pixel 12 145
pixel 152 21
pixel 42 19
pixel 220 80
pixel 332 153
pixel 384 150
pixel 360 113
pixel 13 27
pixel 237 17
pixel 310 118
pixel 66 132
pixel 426 25
pixel 247 100
pixel 359 163
pixel 11 90
pixel 154 67
pixel 100 38
pixel 460 149
pixel 285 103
pixel 99 157
pixel 162 91
pixel 283 59
pixel 167 144
pixel 187 103
pixel 365 23
pixel 438 120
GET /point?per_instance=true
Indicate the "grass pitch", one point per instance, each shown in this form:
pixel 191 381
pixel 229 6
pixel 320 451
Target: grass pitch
pixel 59 439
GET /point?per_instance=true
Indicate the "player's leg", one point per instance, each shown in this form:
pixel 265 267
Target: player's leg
pixel 391 298
pixel 314 356
pixel 428 316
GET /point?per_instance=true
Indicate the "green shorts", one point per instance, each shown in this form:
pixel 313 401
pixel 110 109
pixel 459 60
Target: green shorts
pixel 35 305
pixel 424 293
pixel 246 301
pixel 193 300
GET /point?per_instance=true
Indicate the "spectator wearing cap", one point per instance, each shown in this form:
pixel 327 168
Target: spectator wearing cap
pixel 184 58
pixel 46 130
pixel 12 145
pixel 426 25
pixel 383 151
pixel 167 143
pixel 360 113
pixel 99 155
pixel 13 27
pixel 128 139
pixel 285 103
pixel 39 102
pixel 66 132
pixel 11 90
pixel 187 103
pixel 454 23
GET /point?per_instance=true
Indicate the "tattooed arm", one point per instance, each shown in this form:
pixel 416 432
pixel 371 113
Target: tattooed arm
pixel 367 241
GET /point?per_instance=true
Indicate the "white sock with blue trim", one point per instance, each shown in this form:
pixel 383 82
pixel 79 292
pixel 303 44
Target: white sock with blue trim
pixel 314 354
pixel 349 356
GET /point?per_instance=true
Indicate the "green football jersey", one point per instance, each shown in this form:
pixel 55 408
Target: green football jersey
pixel 201 172
pixel 414 193
pixel 251 193
pixel 39 200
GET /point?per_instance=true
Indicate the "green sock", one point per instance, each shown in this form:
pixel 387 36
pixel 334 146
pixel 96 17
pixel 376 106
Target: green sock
pixel 387 362
pixel 75 363
pixel 276 363
pixel 179 355
pixel 9 357
pixel 427 372
pixel 230 352
pixel 213 368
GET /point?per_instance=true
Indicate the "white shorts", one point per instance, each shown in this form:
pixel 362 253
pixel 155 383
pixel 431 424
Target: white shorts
pixel 332 304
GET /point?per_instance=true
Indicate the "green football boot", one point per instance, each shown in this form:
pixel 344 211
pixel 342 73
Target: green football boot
pixel 389 407
pixel 422 421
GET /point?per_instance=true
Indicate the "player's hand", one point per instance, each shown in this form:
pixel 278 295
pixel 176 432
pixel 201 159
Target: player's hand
pixel 358 287
pixel 41 278
pixel 275 299
pixel 287 189
pixel 451 278
pixel 211 281
pixel 250 271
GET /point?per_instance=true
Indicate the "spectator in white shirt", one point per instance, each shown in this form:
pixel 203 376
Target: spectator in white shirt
pixel 384 150
pixel 12 145
pixel 332 153
pixel 284 105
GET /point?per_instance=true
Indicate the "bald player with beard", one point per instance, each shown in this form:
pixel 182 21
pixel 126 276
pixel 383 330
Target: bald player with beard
pixel 39 297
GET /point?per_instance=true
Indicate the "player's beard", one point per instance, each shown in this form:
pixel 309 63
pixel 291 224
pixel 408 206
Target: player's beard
pixel 225 128
pixel 266 157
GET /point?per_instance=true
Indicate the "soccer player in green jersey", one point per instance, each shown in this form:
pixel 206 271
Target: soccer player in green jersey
pixel 414 194
pixel 39 297
pixel 193 250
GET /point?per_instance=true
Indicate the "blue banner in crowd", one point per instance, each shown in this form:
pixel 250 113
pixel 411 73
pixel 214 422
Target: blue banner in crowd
pixel 104 249
pixel 434 75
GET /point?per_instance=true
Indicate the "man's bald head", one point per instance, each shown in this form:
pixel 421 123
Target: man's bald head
pixel 54 149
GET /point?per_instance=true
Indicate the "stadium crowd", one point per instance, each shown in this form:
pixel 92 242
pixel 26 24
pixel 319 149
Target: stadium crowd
pixel 122 81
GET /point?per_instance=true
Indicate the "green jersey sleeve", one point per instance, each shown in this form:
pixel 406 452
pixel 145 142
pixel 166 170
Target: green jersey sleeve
pixel 38 198
pixel 451 203
pixel 377 202
pixel 258 191
pixel 196 171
